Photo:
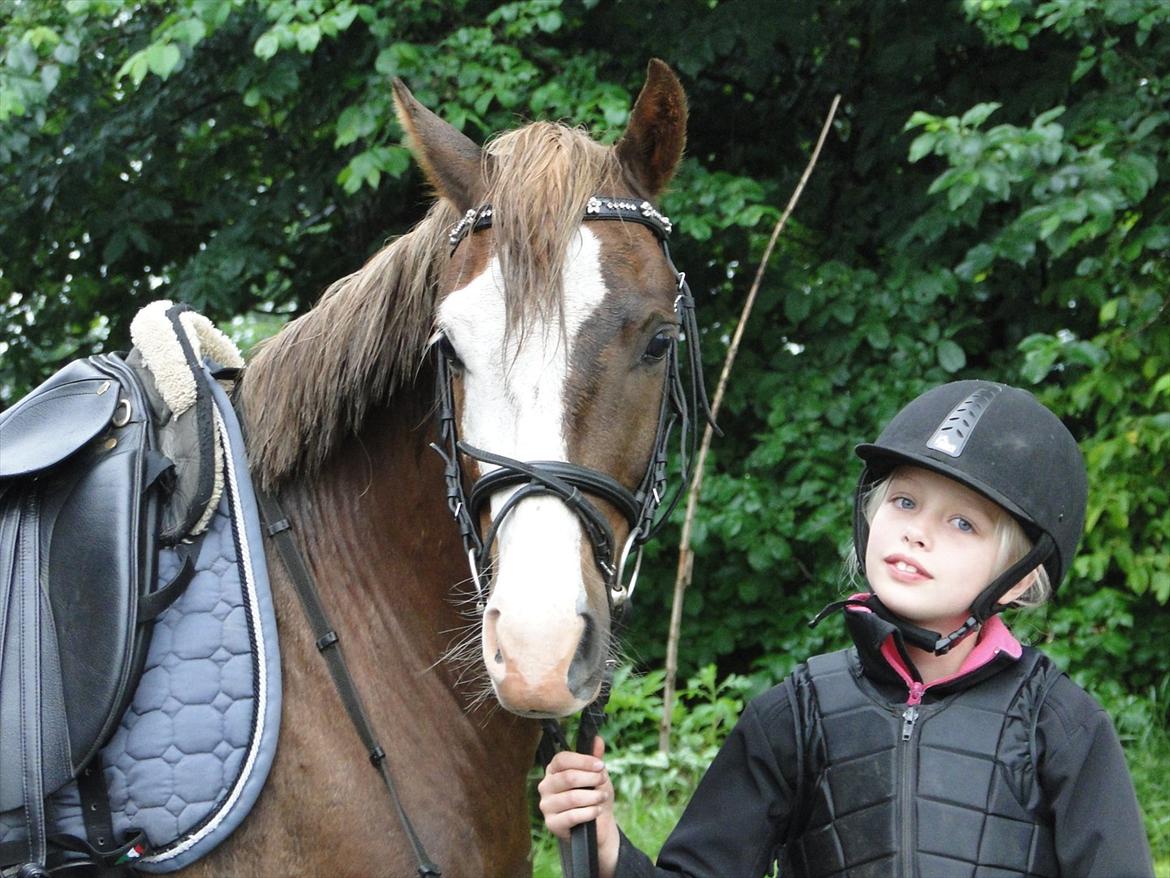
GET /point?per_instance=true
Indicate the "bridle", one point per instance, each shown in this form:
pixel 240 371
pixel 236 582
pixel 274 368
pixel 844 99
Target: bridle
pixel 570 482
pixel 642 507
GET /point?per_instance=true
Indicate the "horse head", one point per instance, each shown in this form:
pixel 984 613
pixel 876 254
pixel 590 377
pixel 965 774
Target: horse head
pixel 555 344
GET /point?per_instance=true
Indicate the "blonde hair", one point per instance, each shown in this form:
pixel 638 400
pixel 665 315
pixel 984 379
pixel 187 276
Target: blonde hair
pixel 1014 544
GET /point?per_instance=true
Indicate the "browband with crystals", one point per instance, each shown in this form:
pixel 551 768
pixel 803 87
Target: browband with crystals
pixel 599 207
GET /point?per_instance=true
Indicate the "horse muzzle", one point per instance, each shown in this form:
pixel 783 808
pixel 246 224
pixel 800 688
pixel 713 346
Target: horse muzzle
pixel 544 669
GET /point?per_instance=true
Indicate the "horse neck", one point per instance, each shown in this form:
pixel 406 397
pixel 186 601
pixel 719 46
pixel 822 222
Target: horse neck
pixel 375 531
pixel 392 573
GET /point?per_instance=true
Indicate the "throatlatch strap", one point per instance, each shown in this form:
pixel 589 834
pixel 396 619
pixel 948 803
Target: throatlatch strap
pixel 328 644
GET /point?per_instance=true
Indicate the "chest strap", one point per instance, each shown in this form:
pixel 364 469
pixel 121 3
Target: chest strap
pixel 329 645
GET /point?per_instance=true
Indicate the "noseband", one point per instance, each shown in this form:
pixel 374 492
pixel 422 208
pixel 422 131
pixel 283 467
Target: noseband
pixel 571 483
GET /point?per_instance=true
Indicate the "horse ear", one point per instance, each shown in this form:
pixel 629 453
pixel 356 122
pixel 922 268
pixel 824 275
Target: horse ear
pixel 450 160
pixel 653 142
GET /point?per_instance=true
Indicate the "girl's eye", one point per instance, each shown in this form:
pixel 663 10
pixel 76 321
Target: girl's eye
pixel 658 347
pixel 963 525
pixel 903 503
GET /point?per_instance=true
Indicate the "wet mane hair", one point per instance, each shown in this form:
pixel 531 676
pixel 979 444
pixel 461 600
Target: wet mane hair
pixel 314 383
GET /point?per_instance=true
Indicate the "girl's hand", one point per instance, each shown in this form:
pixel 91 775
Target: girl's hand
pixel 576 789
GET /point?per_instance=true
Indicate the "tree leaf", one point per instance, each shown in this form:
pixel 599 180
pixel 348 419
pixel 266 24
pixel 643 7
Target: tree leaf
pixel 951 356
pixel 267 46
pixel 162 59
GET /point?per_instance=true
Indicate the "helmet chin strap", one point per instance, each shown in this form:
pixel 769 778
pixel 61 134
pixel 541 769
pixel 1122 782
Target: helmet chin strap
pixel 982 608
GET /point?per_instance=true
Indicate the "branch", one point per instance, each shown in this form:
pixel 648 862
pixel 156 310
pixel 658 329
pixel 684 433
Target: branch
pixel 685 554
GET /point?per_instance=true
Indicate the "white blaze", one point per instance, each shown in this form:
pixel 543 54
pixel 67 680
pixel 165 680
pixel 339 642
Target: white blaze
pixel 514 405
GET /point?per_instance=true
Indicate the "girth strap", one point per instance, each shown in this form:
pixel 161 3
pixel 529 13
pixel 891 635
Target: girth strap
pixel 328 643
pixel 32 684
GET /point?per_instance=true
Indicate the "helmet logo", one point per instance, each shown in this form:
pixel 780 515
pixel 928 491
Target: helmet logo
pixel 953 434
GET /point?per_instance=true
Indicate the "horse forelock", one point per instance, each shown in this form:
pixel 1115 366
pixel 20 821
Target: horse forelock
pixel 539 178
pixel 364 341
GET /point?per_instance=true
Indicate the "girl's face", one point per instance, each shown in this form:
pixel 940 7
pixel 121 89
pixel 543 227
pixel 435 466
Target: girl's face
pixel 933 547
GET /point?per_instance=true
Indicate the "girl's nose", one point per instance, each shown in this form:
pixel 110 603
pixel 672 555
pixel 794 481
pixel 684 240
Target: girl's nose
pixel 914 536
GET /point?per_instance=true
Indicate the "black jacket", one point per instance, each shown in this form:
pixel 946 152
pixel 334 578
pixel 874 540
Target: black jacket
pixel 747 804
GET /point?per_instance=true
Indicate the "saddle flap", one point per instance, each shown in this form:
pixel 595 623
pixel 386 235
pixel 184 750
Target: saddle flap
pixel 77 553
pixel 56 419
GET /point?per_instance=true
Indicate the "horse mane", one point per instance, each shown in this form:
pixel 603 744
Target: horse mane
pixel 313 384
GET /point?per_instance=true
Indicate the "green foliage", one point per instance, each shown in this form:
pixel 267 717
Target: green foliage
pixel 993 201
pixel 704 712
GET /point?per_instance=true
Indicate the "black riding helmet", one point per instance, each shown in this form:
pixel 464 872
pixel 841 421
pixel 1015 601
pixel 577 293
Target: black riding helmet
pixel 1003 443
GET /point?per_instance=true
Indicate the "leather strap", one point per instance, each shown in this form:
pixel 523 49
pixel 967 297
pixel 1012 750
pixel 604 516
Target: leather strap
pixel 329 645
pixel 552 473
pixel 583 837
pixel 152 604
pixel 558 479
pixel 579 855
pixel 30 633
pixel 95 805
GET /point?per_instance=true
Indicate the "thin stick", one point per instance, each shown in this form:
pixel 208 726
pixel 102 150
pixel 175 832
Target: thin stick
pixel 686 556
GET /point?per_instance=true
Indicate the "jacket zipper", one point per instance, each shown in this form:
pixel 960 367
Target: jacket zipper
pixel 906 790
pixel 909 718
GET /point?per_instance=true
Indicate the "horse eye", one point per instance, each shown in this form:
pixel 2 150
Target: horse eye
pixel 448 351
pixel 658 347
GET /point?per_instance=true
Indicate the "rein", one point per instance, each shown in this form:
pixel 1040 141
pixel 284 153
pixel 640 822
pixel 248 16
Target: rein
pixel 328 642
pixel 570 482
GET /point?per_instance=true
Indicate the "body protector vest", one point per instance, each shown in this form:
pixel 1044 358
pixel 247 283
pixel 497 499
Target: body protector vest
pixel 947 787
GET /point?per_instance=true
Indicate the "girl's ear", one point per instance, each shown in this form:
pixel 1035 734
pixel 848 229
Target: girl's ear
pixel 1019 588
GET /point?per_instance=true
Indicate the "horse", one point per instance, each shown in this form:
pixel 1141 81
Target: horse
pixel 557 336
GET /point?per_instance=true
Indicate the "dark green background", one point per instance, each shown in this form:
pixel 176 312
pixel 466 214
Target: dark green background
pixel 992 201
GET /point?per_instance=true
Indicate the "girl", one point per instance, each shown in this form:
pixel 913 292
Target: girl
pixel 937 745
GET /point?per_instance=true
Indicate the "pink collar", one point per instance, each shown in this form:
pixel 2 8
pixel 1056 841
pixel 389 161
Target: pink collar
pixel 994 638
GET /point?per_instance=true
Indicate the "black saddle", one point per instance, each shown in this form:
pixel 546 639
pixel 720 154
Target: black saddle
pixel 84 493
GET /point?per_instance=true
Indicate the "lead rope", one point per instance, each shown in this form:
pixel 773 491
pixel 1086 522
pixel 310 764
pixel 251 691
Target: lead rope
pixel 579 853
pixel 328 644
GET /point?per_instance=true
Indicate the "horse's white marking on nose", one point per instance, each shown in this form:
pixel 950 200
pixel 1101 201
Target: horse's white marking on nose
pixel 514 405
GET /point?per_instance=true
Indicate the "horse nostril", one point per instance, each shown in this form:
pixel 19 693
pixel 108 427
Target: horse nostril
pixel 491 639
pixel 585 669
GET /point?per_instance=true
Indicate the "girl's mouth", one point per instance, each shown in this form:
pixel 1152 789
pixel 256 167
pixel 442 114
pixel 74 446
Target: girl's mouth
pixel 903 568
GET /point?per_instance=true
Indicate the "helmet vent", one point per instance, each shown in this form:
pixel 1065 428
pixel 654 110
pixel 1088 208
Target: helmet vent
pixel 953 434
